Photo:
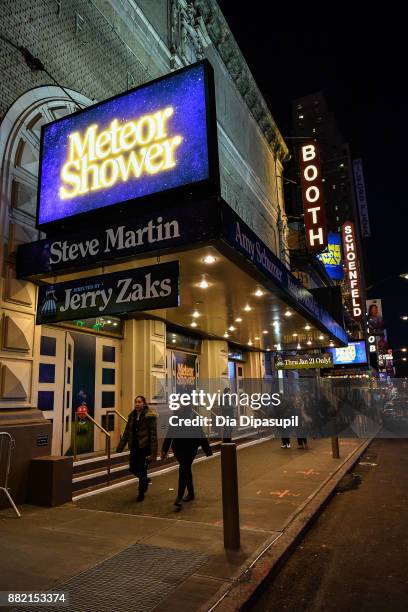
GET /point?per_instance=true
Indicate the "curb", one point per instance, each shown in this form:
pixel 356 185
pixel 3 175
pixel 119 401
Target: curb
pixel 267 561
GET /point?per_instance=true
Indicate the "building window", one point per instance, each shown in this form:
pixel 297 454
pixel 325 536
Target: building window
pixel 48 346
pixel 66 424
pixel 46 400
pixel 108 422
pixel 108 354
pixel 108 376
pixel 67 400
pixel 108 399
pixel 68 376
pixel 47 373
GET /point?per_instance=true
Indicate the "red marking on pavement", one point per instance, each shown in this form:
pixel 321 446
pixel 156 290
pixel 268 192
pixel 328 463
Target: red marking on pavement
pixel 310 472
pixel 281 494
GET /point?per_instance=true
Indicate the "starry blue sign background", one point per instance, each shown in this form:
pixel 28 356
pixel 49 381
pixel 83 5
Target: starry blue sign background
pixel 184 91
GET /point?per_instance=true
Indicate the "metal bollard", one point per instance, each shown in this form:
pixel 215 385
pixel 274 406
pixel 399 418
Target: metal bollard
pixel 335 447
pixel 230 500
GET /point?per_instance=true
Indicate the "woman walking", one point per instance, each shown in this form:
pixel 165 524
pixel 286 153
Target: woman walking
pixel 141 436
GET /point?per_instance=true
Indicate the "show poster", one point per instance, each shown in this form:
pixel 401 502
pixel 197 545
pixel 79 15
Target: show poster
pixel 375 319
pixel 186 378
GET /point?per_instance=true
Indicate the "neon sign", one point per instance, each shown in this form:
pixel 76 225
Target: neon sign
pixel 158 137
pixel 97 161
pixel 352 268
pixel 312 196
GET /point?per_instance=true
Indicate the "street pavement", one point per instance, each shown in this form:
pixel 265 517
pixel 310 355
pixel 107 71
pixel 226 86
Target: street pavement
pixel 48 546
pixel 355 557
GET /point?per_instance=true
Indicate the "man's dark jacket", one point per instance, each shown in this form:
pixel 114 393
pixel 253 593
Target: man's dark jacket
pixel 186 447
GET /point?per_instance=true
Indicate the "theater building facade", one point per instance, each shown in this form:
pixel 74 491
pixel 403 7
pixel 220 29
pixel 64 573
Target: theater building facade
pixel 141 253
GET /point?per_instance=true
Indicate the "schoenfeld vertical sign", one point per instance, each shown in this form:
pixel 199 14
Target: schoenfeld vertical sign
pixel 157 138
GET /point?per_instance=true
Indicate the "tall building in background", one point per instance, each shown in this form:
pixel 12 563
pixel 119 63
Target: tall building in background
pixel 312 120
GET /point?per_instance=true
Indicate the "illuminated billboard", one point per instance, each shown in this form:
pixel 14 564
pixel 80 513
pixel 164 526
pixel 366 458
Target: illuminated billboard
pixel 332 258
pixel 353 354
pixel 158 137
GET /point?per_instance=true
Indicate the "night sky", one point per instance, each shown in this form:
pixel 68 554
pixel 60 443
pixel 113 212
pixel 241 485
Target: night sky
pixel 359 65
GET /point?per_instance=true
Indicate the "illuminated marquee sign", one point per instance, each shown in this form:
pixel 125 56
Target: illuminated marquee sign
pixel 352 269
pixel 155 138
pixel 132 290
pixel 312 196
pixel 332 258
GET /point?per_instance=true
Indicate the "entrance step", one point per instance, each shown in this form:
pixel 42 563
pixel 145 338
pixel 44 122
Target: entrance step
pixel 90 473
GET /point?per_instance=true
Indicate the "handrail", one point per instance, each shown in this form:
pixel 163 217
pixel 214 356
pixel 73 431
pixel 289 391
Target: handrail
pixel 107 442
pixel 114 411
pixel 10 446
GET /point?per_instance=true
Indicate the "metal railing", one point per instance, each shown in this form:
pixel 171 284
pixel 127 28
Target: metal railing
pixel 120 415
pixel 107 442
pixel 7 445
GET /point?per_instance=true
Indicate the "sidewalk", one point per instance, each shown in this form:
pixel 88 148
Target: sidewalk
pixel 140 556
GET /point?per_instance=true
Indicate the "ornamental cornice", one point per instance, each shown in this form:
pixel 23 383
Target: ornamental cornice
pixel 223 40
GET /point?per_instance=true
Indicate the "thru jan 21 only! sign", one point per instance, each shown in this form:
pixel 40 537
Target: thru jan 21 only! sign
pixel 155 138
pixel 144 288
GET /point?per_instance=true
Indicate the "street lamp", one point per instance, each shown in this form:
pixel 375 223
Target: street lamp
pixel 404 317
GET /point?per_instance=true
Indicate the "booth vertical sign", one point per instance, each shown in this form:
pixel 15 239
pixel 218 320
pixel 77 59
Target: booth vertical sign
pixel 312 197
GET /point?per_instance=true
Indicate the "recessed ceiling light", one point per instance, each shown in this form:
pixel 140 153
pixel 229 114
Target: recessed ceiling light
pixel 203 284
pixel 232 328
pixel 247 308
pixel 268 349
pixel 307 327
pixel 294 335
pixel 174 340
pixel 256 337
pixel 109 321
pixel 209 259
pixel 193 324
pixel 259 292
pixel 265 331
pixel 238 320
pixel 298 346
pixel 309 342
pixel 321 337
pixel 226 335
pixel 288 313
pixel 250 343
pixel 196 314
pixel 115 323
pixel 331 344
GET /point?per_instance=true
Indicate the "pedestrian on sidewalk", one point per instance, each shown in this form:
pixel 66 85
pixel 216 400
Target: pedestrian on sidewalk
pixel 284 411
pixel 299 410
pixel 141 436
pixel 185 441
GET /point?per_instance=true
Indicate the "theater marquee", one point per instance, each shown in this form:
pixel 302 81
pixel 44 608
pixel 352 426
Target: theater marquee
pixel 147 141
pixel 143 288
